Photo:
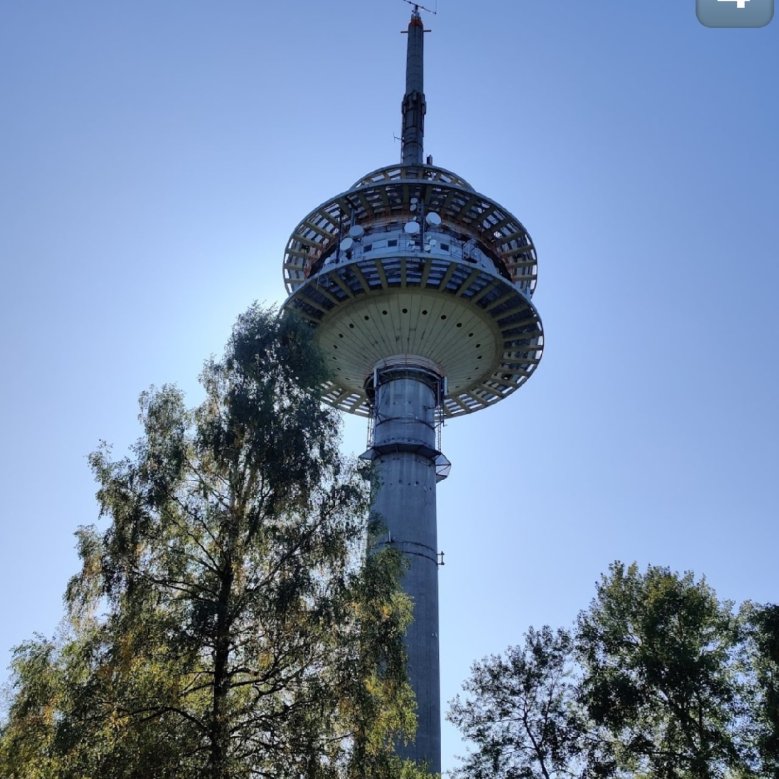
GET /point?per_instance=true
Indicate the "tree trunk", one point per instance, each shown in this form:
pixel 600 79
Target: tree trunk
pixel 220 731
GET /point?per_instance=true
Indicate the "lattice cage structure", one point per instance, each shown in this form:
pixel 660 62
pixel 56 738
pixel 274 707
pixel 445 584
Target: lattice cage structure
pixel 412 262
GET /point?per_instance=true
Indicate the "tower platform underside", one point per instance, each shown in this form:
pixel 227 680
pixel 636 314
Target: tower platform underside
pixel 412 262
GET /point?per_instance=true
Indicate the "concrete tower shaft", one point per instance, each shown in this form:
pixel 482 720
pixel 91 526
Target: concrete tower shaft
pixel 406 396
pixel 419 291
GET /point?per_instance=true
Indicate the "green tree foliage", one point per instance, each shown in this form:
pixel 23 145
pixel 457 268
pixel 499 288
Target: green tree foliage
pixel 519 712
pixel 226 623
pixel 661 680
pixel 761 672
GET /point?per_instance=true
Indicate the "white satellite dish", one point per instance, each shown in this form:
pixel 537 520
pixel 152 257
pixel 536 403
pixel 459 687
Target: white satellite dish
pixel 433 219
pixel 411 228
pixel 346 244
pixel 356 231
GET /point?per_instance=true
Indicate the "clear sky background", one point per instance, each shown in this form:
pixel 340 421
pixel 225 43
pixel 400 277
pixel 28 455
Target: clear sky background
pixel 155 156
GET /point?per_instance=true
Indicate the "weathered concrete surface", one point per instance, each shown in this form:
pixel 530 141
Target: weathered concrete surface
pixel 404 446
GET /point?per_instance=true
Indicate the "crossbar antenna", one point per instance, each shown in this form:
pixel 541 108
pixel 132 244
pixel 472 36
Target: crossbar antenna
pixel 417 6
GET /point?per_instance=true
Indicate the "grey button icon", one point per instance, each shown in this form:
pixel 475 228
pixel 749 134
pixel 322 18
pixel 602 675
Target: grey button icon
pixel 734 13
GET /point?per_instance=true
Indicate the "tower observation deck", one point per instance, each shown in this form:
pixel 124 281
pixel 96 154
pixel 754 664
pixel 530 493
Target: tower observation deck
pixel 419 290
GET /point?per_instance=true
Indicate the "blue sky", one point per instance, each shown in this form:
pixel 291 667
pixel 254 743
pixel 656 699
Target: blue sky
pixel 155 157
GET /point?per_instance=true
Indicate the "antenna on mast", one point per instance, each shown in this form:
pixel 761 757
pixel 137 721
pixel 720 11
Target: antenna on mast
pixel 417 6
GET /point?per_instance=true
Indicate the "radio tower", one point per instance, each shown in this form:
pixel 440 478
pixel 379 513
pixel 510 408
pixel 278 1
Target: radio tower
pixel 419 289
